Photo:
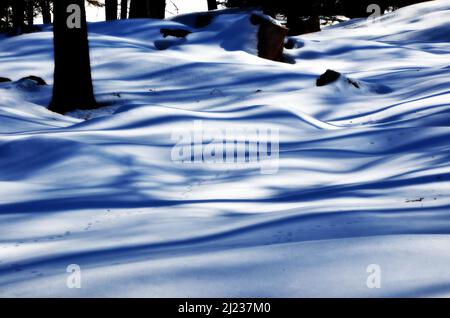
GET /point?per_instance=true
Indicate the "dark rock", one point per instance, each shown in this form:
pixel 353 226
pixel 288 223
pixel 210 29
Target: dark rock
pixel 353 82
pixel 331 76
pixel 203 20
pixel 291 44
pixel 328 77
pixel 4 80
pixel 271 38
pixel 39 81
pixel 178 33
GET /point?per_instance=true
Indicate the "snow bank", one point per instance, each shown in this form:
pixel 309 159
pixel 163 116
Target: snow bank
pixel 363 177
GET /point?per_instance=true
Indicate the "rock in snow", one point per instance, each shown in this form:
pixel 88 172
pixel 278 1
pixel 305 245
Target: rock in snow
pixel 36 79
pixel 328 77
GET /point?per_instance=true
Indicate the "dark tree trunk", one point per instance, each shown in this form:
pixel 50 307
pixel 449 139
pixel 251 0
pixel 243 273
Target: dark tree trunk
pixel 124 9
pixel 111 9
pixel 18 7
pixel 138 9
pixel 45 9
pixel 271 38
pixel 155 9
pixel 30 13
pixel 72 79
pixel 212 5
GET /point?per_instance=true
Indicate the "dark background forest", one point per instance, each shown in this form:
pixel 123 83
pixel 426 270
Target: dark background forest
pixel 18 16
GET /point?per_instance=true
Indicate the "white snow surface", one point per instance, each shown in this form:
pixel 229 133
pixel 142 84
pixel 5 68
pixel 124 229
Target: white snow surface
pixel 363 178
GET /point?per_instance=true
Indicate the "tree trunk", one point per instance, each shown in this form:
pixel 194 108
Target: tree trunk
pixel 139 9
pixel 270 38
pixel 157 9
pixel 30 13
pixel 124 9
pixel 72 78
pixel 18 8
pixel 111 9
pixel 154 9
pixel 45 9
pixel 212 5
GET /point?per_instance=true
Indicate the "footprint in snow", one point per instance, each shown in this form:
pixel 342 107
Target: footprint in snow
pixel 201 182
pixel 36 273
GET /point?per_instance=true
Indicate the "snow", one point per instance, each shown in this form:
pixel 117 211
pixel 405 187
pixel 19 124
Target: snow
pixel 363 174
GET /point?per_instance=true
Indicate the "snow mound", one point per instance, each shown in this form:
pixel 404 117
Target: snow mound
pixel 346 85
pixel 424 22
pixel 363 173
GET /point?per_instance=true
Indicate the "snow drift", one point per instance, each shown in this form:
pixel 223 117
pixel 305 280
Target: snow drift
pixel 363 176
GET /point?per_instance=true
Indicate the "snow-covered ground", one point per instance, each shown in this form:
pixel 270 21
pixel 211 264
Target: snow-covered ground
pixel 363 173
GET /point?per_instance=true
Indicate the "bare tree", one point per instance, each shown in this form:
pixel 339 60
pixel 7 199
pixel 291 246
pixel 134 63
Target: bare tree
pixel 18 9
pixel 124 9
pixel 212 5
pixel 45 10
pixel 72 78
pixel 111 9
pixel 30 13
pixel 138 9
pixel 155 9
